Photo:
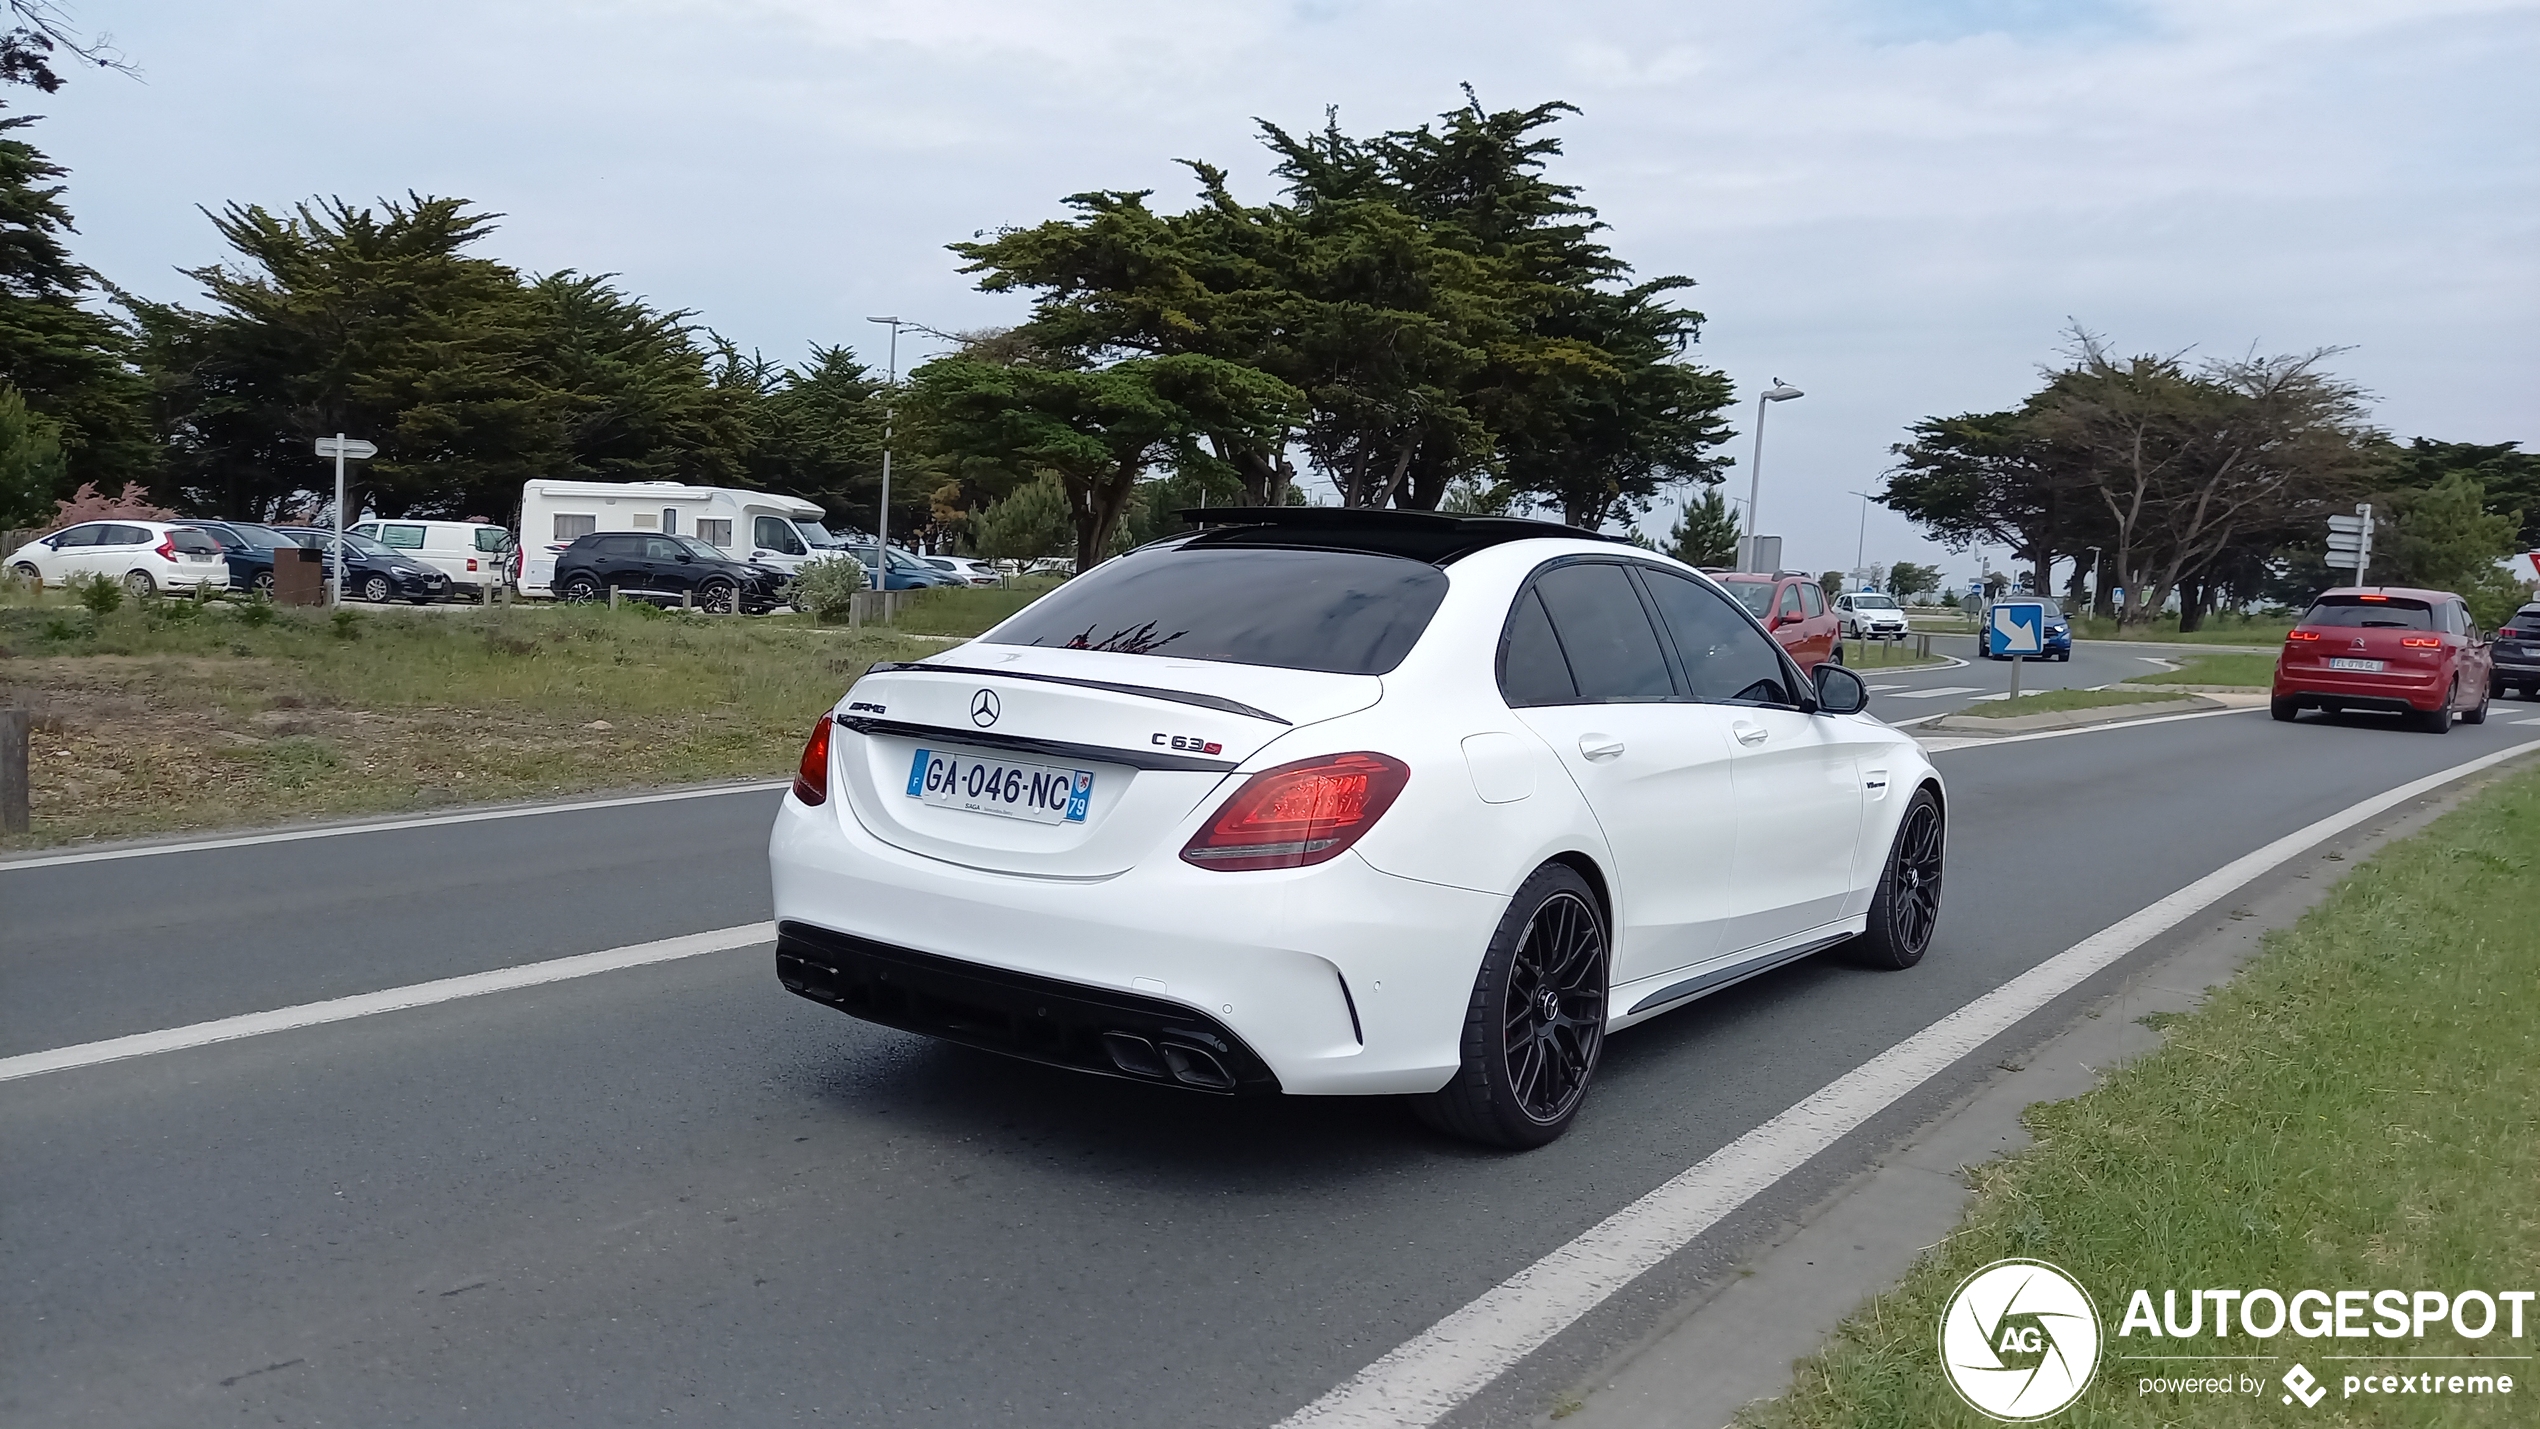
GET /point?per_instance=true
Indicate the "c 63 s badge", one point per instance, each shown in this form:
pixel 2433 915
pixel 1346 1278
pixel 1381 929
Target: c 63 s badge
pixel 2019 1340
pixel 1187 743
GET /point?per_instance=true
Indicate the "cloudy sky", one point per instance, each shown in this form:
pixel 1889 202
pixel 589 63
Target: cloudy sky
pixel 1893 204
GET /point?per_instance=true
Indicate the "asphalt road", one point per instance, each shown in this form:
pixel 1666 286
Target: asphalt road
pixel 1918 695
pixel 679 1193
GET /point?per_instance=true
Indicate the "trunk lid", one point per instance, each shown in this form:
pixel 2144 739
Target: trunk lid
pixel 1157 736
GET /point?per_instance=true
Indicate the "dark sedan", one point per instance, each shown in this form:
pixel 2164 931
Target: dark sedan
pixel 664 570
pixel 249 549
pixel 374 572
pixel 2517 655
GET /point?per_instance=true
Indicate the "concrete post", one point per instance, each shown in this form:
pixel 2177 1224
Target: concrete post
pixel 13 772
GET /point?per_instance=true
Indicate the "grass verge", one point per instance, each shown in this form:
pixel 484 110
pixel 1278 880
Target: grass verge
pixel 2255 672
pixel 2355 1111
pixel 2056 701
pixel 166 716
pixel 2218 630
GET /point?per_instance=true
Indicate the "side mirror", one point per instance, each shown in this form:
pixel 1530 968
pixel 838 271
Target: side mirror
pixel 1839 691
pixel 685 558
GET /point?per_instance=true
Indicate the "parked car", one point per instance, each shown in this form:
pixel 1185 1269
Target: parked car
pixel 471 553
pixel 2515 655
pixel 662 569
pixel 2413 652
pixel 2056 641
pixel 1276 806
pixel 908 572
pixel 247 547
pixel 974 572
pixel 1870 615
pixel 373 572
pixel 1794 609
pixel 146 556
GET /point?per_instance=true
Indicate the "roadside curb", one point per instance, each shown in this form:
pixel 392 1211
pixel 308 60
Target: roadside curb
pixel 2251 690
pixel 2069 719
pixel 1737 1342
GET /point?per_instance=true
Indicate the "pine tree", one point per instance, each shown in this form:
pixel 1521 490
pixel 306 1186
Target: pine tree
pixel 70 363
pixel 1705 533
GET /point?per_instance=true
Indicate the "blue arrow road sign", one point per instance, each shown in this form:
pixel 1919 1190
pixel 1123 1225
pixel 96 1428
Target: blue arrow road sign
pixel 2017 627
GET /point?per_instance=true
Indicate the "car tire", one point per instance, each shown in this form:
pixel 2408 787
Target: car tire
pixel 140 584
pixel 2478 713
pixel 2065 656
pixel 2437 720
pixel 717 596
pixel 1550 946
pixel 27 572
pixel 1906 908
pixel 2284 710
pixel 377 590
pixel 582 586
pixel 1837 656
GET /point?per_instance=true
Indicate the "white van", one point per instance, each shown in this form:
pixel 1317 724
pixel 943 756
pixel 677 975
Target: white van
pixel 470 553
pixel 761 526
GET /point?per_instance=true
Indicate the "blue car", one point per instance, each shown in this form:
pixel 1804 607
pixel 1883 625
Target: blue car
pixel 2059 630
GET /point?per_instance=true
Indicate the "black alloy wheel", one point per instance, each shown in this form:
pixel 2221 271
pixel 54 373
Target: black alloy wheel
pixel 377 590
pixel 581 586
pixel 1906 908
pixel 717 596
pixel 1536 1022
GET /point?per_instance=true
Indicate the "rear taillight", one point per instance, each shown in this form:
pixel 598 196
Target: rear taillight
pixel 167 548
pixel 811 777
pixel 1299 814
pixel 2422 642
pixel 2301 635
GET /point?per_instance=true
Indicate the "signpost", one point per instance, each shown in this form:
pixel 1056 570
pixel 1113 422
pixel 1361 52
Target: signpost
pixel 343 449
pixel 2350 540
pixel 2014 631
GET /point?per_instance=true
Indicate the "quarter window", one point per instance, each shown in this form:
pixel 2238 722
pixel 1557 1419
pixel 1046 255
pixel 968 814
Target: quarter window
pixel 1724 656
pixel 1531 668
pixel 1604 632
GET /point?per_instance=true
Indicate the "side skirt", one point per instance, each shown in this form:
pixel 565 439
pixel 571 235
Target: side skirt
pixel 1737 970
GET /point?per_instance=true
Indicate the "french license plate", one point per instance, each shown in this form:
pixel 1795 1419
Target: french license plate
pixel 2342 663
pixel 1042 793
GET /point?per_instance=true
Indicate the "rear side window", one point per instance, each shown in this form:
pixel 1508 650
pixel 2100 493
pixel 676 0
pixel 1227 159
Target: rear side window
pixel 1346 612
pixel 1531 668
pixel 492 538
pixel 400 536
pixel 125 536
pixel 1604 630
pixel 1724 655
pixel 2359 613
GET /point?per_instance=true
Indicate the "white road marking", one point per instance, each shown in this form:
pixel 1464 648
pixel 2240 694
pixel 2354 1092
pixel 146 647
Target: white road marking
pixel 2527 721
pixel 1942 744
pixel 1936 694
pixel 422 994
pixel 1881 689
pixel 429 821
pixel 1426 1377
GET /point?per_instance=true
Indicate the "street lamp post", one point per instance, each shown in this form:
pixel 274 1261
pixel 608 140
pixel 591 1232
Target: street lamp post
pixel 1861 536
pixel 882 516
pixel 1780 391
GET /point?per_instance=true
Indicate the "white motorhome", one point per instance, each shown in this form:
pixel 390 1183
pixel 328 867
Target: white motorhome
pixel 762 526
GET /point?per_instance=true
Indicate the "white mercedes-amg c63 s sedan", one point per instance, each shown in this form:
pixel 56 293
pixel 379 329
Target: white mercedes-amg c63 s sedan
pixel 1345 802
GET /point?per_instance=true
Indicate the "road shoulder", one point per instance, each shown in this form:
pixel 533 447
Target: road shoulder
pixel 1735 1341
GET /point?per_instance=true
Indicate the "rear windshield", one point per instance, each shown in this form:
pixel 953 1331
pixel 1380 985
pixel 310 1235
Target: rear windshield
pixel 1346 612
pixel 2384 614
pixel 193 542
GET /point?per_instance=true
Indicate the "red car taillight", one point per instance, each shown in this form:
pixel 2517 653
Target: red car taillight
pixel 2292 635
pixel 1299 814
pixel 167 548
pixel 2422 642
pixel 811 777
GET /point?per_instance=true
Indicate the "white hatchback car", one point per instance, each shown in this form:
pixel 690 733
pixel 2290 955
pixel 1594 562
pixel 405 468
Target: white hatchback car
pixel 146 556
pixel 1333 802
pixel 1871 615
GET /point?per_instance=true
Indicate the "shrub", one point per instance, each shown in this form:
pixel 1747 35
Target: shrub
pixel 100 595
pixel 257 610
pixel 826 588
pixel 348 624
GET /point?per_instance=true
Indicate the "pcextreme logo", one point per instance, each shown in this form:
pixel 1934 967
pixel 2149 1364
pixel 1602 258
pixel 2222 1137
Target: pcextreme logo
pixel 2019 1340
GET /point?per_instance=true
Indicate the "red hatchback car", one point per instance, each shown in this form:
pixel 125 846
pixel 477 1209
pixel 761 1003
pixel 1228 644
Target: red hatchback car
pixel 1795 610
pixel 2413 652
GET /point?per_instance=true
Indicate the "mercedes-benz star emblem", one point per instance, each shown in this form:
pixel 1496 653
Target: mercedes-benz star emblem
pixel 983 708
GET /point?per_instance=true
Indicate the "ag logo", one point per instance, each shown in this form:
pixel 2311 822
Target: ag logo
pixel 984 708
pixel 2019 1340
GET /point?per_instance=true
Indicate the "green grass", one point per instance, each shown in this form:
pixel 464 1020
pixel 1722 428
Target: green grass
pixel 2218 629
pixel 166 715
pixel 2359 1109
pixel 2237 670
pixel 2055 701
pixel 969 610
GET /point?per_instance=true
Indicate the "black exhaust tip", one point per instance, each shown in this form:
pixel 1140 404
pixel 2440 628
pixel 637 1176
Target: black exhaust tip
pixel 1134 1055
pixel 1197 1068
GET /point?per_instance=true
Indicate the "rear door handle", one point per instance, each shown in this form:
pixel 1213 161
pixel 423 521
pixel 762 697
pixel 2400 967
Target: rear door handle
pixel 1599 746
pixel 1752 733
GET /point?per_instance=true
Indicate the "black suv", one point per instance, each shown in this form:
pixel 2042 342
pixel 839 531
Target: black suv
pixel 2517 655
pixel 664 568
